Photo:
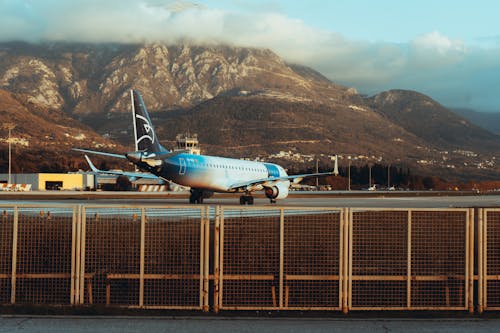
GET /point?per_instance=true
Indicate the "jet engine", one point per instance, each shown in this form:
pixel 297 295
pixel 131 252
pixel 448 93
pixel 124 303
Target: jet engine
pixel 278 191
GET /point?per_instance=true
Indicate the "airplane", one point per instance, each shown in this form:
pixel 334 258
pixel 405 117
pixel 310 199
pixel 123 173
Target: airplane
pixel 203 174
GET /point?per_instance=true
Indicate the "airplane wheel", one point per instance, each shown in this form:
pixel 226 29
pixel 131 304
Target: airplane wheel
pixel 250 200
pixel 273 201
pixel 243 200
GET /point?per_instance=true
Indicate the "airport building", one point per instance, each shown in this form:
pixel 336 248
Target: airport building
pixel 51 181
pixel 188 142
pixel 77 181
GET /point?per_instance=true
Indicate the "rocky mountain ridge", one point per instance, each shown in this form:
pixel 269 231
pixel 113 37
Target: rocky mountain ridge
pixel 94 78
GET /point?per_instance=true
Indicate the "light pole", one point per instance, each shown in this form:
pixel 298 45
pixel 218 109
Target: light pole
pixel 10 127
pixel 349 174
pixel 317 181
pixel 389 176
pixel 369 175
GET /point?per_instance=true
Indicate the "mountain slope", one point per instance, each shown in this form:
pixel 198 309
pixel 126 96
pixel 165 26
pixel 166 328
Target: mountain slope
pixel 486 120
pixel 432 122
pixel 242 102
pixel 260 124
pixel 42 138
pixel 84 79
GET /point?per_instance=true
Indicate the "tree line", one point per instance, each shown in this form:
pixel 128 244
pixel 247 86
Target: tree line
pixel 385 176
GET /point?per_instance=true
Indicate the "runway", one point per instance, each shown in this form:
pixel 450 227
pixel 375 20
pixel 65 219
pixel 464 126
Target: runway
pixel 361 199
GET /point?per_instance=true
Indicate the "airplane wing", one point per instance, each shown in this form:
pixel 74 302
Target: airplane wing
pixel 134 175
pixel 268 181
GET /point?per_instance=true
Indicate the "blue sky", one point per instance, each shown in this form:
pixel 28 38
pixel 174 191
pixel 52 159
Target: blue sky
pixel 447 49
pixel 396 20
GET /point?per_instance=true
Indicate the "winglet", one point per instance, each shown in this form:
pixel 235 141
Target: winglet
pixel 336 167
pixel 92 166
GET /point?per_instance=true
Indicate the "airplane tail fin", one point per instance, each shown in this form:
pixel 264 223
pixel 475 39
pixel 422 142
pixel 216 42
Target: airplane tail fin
pixel 144 134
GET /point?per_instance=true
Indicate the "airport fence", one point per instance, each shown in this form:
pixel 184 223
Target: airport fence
pixel 250 258
pixel 279 258
pixel 411 259
pixel 152 257
pixel 37 248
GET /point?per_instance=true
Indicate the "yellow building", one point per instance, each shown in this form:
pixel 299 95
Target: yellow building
pixel 52 181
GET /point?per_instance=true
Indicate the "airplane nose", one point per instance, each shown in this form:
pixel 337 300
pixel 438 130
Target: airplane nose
pixel 134 157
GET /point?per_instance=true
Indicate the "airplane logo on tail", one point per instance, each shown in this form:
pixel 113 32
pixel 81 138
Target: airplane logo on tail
pixel 148 128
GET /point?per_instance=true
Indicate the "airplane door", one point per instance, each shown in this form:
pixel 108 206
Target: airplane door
pixel 182 166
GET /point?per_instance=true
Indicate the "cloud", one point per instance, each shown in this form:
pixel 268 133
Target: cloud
pixel 438 43
pixel 445 68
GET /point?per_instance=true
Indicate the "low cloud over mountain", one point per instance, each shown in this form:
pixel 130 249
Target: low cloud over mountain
pixel 446 68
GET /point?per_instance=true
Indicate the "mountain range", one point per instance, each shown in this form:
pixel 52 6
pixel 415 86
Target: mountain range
pixel 242 102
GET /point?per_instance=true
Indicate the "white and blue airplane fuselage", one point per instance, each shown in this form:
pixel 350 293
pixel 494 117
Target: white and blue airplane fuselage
pixel 217 173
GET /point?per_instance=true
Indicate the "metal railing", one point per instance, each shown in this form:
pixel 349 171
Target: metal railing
pixel 152 257
pixel 410 259
pixel 279 258
pixel 38 251
pixel 253 258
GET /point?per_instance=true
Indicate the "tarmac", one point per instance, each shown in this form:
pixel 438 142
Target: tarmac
pixel 82 324
pixel 333 199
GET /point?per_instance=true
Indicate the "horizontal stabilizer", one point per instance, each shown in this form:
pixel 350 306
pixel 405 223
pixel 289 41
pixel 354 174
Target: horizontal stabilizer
pixel 131 175
pixel 99 153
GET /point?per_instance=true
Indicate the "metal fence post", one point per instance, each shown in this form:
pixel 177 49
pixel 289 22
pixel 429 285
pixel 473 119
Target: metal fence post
pixel 471 260
pixel 206 260
pixel 81 253
pixel 349 246
pixel 141 259
pixel 75 272
pixel 481 261
pixel 409 262
pixel 216 258
pixel 14 255
pixel 201 226
pixel 485 259
pixel 344 222
pixel 221 259
pixel 281 262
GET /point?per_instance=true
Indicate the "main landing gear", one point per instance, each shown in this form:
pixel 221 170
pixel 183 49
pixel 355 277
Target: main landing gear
pixel 246 199
pixel 197 196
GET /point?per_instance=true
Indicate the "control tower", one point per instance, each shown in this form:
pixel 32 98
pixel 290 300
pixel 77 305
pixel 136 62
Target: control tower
pixel 188 142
